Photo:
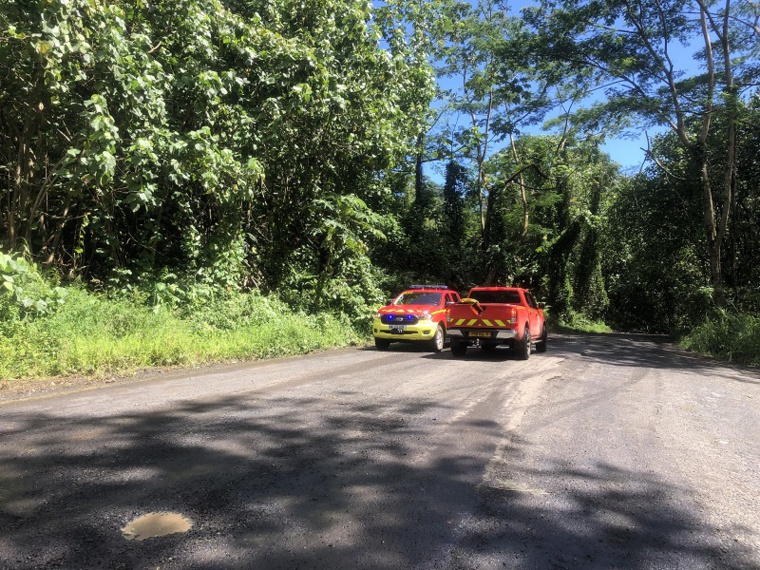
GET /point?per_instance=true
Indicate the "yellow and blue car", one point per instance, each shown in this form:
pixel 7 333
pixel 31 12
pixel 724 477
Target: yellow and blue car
pixel 418 315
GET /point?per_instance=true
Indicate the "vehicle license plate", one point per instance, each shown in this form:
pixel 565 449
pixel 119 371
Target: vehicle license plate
pixel 397 328
pixel 482 334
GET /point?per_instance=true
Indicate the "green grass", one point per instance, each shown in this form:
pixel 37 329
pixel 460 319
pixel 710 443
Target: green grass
pixel 730 336
pixel 91 334
pixel 577 323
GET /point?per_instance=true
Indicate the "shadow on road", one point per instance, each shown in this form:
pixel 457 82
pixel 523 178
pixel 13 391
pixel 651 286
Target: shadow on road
pixel 648 351
pixel 323 483
pixel 628 350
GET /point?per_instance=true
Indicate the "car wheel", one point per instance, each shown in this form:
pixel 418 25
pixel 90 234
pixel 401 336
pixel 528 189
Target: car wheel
pixel 522 348
pixel 382 344
pixel 436 344
pixel 541 346
pixel 458 348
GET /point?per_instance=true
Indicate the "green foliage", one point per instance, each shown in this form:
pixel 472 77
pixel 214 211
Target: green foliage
pixel 549 199
pixel 93 334
pixel 24 293
pixel 656 268
pixel 625 47
pixel 742 250
pixel 202 139
pixel 728 335
pixel 430 240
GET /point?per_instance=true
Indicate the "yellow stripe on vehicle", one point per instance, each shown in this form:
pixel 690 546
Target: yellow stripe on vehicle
pixel 480 322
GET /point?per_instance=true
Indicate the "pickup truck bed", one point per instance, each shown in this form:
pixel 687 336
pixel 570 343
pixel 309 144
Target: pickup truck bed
pixel 493 316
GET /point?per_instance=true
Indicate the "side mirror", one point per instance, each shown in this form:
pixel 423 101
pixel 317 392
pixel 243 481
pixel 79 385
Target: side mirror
pixel 449 303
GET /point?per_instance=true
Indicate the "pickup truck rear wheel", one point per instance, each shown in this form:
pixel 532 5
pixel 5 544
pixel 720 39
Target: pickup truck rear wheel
pixel 541 345
pixel 522 347
pixel 436 343
pixel 382 344
pixel 458 348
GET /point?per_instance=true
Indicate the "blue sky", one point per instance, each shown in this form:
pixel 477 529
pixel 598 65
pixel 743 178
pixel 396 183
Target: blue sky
pixel 628 153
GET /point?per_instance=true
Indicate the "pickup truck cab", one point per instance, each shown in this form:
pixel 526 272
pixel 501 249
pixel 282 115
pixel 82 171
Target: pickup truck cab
pixel 418 315
pixel 490 316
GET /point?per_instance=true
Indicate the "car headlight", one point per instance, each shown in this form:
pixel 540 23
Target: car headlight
pixel 424 317
pixel 379 316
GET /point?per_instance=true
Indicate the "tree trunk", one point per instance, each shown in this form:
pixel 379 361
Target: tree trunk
pixel 419 183
pixel 729 179
pixel 523 190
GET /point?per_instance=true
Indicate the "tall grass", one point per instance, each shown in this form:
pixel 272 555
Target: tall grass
pixel 92 334
pixel 731 336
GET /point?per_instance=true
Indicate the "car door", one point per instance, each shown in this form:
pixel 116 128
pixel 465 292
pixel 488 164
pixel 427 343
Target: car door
pixel 451 298
pixel 534 316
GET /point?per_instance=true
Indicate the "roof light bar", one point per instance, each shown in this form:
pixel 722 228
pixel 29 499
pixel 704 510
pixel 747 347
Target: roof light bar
pixel 428 287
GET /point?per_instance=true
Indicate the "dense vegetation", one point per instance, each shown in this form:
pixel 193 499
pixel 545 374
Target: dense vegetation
pixel 88 333
pixel 213 171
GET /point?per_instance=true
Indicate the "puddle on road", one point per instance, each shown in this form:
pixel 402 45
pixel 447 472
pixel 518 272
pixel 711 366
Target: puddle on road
pixel 156 524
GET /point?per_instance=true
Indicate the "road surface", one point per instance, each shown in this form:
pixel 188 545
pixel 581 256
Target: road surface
pixel 608 451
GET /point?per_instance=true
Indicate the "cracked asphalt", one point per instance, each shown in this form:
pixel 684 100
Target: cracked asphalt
pixel 608 451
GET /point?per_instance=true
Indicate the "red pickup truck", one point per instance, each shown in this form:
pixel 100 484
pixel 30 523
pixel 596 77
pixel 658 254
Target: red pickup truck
pixel 490 316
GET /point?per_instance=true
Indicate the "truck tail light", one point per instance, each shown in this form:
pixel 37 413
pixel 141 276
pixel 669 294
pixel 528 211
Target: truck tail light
pixel 513 316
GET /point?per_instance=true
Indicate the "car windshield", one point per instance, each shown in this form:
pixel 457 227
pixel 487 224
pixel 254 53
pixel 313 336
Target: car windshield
pixel 418 298
pixel 510 297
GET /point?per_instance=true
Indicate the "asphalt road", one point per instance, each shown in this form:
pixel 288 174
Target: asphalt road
pixel 606 452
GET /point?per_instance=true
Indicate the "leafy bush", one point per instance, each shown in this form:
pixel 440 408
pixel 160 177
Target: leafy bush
pixel 232 311
pixel 731 336
pixel 24 293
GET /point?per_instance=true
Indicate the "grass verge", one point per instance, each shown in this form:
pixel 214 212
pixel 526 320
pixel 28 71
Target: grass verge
pixel 730 336
pixel 93 335
pixel 577 323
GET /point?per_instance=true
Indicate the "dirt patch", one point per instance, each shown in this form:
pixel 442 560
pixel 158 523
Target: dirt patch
pixel 11 390
pixel 154 525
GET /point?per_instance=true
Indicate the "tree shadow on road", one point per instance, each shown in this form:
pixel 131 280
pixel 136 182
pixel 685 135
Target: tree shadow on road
pixel 617 349
pixel 323 483
pixel 595 517
pixel 644 351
